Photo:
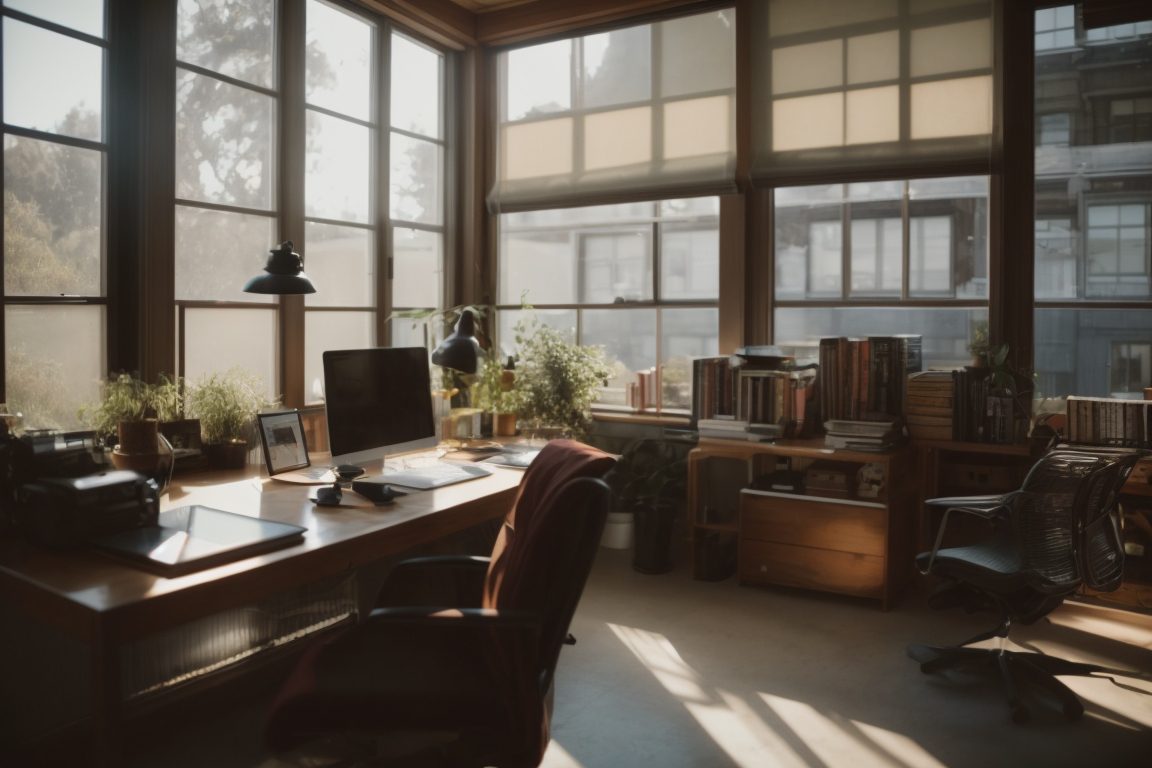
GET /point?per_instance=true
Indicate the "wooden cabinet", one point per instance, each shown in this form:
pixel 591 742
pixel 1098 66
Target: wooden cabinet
pixel 825 540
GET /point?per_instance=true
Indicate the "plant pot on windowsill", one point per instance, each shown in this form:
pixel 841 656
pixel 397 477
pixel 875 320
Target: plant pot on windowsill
pixel 230 455
pixel 504 424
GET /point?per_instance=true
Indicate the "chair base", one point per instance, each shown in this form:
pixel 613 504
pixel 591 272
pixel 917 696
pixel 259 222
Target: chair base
pixel 1019 670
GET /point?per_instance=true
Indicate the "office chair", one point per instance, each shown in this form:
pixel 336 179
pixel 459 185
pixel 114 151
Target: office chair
pixel 467 684
pixel 1054 534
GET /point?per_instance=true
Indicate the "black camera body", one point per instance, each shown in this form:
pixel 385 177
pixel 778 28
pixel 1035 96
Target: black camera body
pixel 56 491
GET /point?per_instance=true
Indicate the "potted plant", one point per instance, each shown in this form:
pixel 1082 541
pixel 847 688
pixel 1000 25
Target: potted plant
pixel 226 405
pixel 493 391
pixel 126 409
pixel 556 380
pixel 181 432
pixel 649 480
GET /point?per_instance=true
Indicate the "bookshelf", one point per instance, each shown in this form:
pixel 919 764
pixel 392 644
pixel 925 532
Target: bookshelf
pixel 853 542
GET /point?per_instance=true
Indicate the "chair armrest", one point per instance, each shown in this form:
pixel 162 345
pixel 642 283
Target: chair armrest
pixel 988 508
pixel 456 580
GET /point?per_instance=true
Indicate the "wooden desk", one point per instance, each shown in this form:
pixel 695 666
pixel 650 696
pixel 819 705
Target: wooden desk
pixel 108 605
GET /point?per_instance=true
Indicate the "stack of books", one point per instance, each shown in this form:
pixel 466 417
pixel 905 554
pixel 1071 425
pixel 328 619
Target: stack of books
pixel 729 428
pixel 928 403
pixel 845 434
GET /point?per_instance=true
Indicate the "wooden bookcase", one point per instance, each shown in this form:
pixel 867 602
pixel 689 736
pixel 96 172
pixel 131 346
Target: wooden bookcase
pixel 858 546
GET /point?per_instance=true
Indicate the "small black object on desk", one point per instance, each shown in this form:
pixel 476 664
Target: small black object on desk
pixel 381 493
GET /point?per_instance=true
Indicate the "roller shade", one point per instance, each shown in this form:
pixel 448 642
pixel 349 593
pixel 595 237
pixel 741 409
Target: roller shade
pixel 870 85
pixel 645 110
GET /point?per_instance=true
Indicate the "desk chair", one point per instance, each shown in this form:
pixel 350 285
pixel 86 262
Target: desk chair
pixel 468 684
pixel 1045 540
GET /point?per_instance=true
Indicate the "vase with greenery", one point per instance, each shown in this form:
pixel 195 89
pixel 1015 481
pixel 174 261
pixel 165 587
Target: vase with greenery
pixel 182 432
pixel 226 405
pixel 557 380
pixel 126 409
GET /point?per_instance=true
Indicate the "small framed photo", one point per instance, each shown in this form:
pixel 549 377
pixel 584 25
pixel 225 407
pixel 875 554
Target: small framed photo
pixel 282 437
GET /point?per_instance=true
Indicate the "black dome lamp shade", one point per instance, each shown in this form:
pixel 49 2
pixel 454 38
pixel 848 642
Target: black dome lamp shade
pixel 460 351
pixel 284 273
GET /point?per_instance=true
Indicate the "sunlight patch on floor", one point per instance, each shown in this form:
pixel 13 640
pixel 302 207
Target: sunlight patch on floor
pixel 557 757
pixel 743 734
pixel 834 740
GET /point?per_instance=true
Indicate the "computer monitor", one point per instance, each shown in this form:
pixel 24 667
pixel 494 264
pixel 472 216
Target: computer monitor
pixel 379 401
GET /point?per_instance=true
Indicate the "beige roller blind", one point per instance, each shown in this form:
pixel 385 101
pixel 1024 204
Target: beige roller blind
pixel 870 85
pixel 647 110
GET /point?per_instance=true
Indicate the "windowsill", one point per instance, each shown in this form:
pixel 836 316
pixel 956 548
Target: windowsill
pixel 625 416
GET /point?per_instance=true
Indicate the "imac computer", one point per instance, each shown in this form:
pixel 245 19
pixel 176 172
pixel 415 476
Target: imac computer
pixel 379 403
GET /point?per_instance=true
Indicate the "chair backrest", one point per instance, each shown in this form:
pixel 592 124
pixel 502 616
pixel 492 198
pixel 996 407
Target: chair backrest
pixel 546 544
pixel 1063 518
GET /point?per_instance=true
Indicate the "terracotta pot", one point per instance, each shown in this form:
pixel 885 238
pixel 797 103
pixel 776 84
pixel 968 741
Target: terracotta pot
pixel 504 424
pixel 137 436
pixel 232 455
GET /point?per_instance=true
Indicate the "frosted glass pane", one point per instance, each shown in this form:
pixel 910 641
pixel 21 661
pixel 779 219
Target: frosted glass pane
pixel 537 267
pixel 698 53
pixel 808 67
pixel 341 264
pixel 51 82
pixel 787 17
pixel 219 339
pixel 217 252
pixel 960 107
pixel 539 80
pixel 615 267
pixel 530 150
pixel 414 186
pixel 52 219
pixel 418 268
pixel 617 67
pixel 234 38
pixel 807 122
pixel 689 263
pixel 339 61
pixel 338 169
pixel 81 15
pixel 416 87
pixel 952 48
pixel 54 361
pixel 224 143
pixel 698 127
pixel 324 331
pixel 930 256
pixel 874 57
pixel 629 340
pixel 622 137
pixel 873 115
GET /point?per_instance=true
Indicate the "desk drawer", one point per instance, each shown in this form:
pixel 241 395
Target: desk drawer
pixel 763 562
pixel 850 526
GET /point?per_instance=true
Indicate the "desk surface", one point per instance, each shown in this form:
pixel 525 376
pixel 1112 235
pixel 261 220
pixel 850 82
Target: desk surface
pixel 74 588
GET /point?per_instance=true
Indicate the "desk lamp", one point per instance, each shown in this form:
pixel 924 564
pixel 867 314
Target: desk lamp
pixel 460 351
pixel 284 273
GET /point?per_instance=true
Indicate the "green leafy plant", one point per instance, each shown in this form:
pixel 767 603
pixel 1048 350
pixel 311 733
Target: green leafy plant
pixel 226 404
pixel 124 397
pixel 169 398
pixel 556 380
pixel 491 389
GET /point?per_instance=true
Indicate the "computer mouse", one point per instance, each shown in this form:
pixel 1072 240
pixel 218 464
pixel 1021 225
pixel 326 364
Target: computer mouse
pixel 347 471
pixel 380 493
pixel 328 496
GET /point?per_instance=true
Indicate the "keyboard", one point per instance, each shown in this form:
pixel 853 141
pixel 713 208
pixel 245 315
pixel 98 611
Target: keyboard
pixel 433 475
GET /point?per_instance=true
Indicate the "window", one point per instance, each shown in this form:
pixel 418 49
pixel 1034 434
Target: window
pixel 627 111
pixel 640 279
pixel 227 208
pixel 55 154
pixel 883 258
pixel 1093 247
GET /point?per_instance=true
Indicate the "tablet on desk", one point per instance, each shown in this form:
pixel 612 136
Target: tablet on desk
pixel 196 537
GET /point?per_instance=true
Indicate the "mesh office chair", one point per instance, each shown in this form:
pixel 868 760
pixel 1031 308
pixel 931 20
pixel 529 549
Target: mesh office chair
pixel 1054 534
pixel 465 685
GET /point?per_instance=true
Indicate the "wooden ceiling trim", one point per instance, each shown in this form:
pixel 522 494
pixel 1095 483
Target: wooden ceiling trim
pixel 518 23
pixel 441 21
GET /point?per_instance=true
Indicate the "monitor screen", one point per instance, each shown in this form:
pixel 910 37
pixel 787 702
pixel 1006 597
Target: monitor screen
pixel 379 401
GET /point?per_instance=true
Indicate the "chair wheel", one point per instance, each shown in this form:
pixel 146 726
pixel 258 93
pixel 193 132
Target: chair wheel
pixel 1020 714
